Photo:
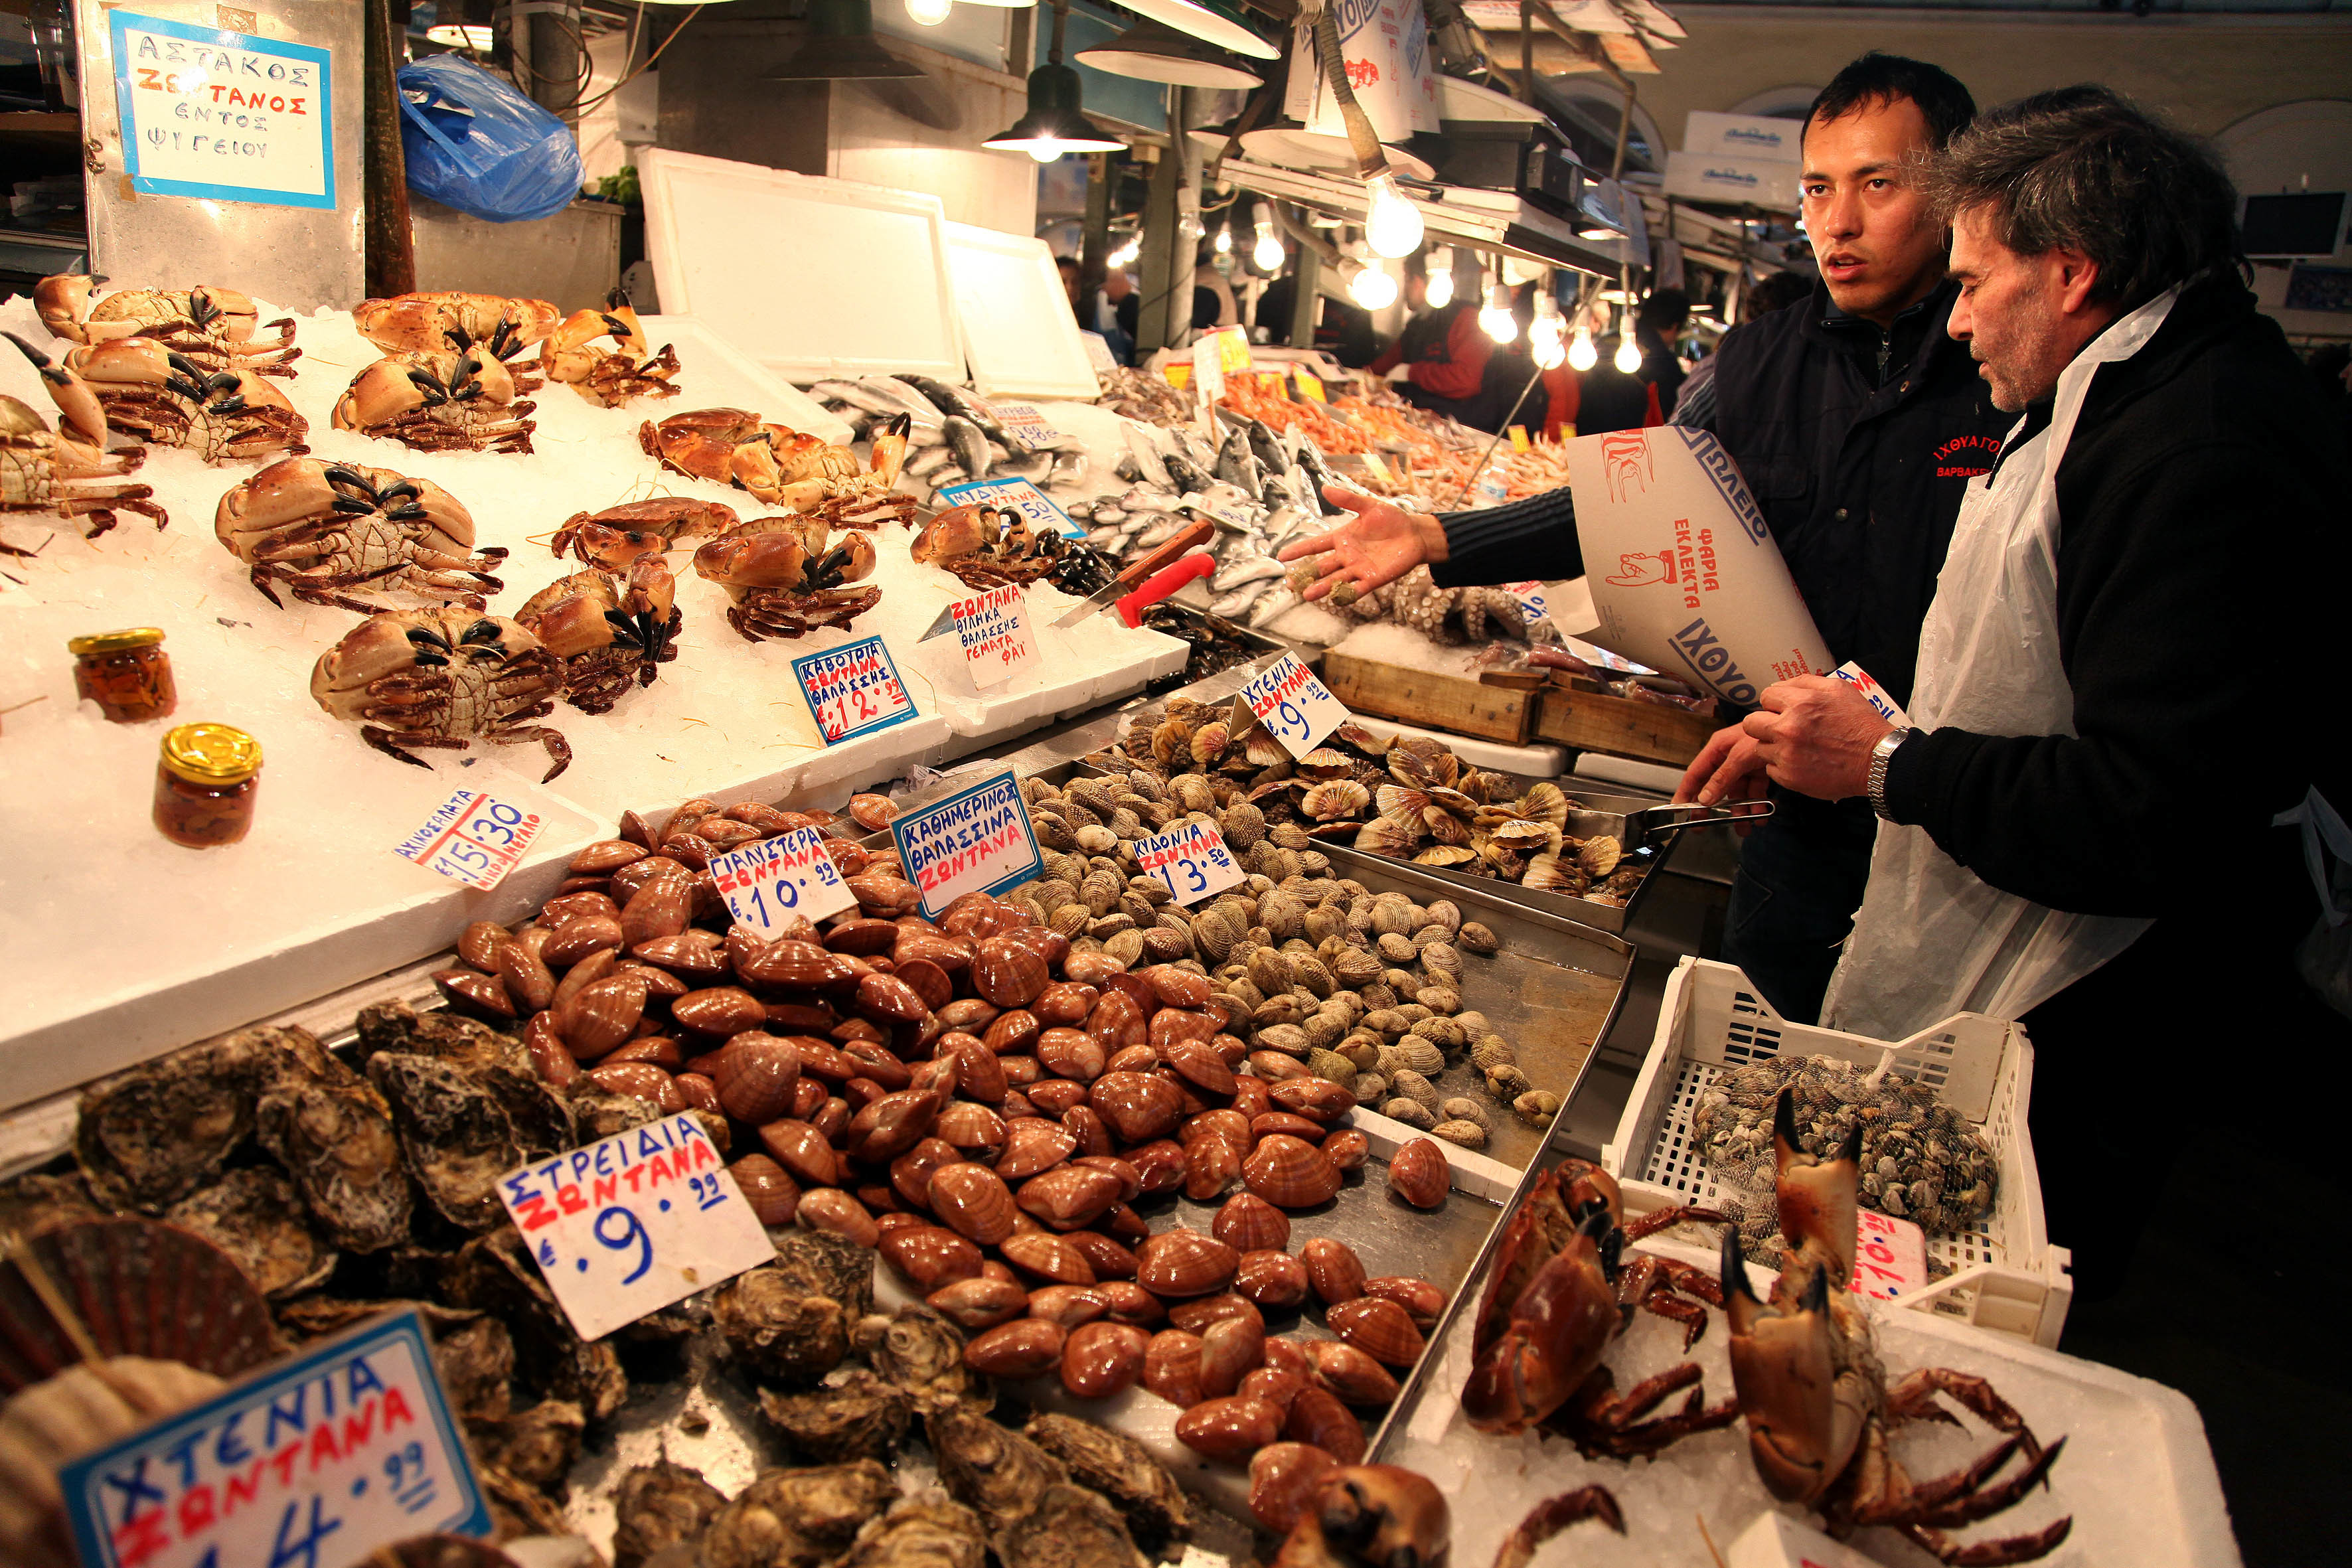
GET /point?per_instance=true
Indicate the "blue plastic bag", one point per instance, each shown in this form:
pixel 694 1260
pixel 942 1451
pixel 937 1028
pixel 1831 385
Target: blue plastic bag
pixel 477 144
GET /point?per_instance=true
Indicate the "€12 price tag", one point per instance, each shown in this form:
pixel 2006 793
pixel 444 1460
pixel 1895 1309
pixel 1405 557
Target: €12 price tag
pixel 994 632
pixel 1192 859
pixel 853 690
pixel 978 840
pixel 1297 709
pixel 634 1222
pixel 1014 495
pixel 790 874
pixel 471 838
pixel 1530 597
pixel 320 1458
pixel 1890 1256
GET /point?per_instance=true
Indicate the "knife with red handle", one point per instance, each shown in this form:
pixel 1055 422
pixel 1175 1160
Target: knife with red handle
pixel 1200 563
pixel 1186 539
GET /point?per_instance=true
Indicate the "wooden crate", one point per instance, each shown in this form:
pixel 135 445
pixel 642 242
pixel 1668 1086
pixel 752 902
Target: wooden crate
pixel 1596 721
pixel 1456 702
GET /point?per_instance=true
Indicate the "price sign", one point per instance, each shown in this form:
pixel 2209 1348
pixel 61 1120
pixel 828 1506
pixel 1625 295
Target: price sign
pixel 1310 386
pixel 1192 859
pixel 1014 495
pixel 1890 1256
pixel 223 116
pixel 315 1459
pixel 1232 515
pixel 1232 349
pixel 978 840
pixel 790 874
pixel 1530 596
pixel 1518 438
pixel 1027 425
pixel 1297 709
pixel 471 838
pixel 634 1222
pixel 853 690
pixel 994 632
pixel 1208 383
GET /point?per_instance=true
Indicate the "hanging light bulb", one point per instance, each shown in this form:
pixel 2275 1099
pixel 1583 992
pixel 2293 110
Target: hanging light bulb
pixel 1268 252
pixel 1393 223
pixel 1497 318
pixel 1441 277
pixel 1547 328
pixel 1371 287
pixel 1124 255
pixel 1581 354
pixel 1546 351
pixel 929 13
pixel 1224 241
pixel 1629 352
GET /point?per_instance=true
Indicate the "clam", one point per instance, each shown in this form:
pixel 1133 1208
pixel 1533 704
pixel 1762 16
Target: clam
pixel 1290 1173
pixel 1102 1360
pixel 1183 1262
pixel 1069 1197
pixel 1138 1106
pixel 973 1201
pixel 1025 1347
pixel 1247 1223
pixel 981 1303
pixel 1316 1416
pixel 1379 1328
pixel 929 1255
pixel 1049 1256
pixel 1230 1429
pixel 1352 1374
pixel 1171 1367
pixel 1333 1270
pixel 1418 1174
pixel 1271 1278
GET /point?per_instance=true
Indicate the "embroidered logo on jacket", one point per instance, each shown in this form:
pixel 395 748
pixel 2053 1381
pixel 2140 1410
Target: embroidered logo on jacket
pixel 1957 458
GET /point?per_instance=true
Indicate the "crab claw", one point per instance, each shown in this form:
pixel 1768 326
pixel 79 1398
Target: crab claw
pixel 1378 1516
pixel 890 447
pixel 1558 1327
pixel 63 301
pixel 1803 1420
pixel 1816 1196
pixel 73 396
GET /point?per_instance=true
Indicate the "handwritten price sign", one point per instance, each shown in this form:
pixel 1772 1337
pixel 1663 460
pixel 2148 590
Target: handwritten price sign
pixel 994 632
pixel 977 840
pixel 1890 1256
pixel 1862 680
pixel 316 1460
pixel 1530 597
pixel 1297 709
pixel 1014 495
pixel 790 874
pixel 1026 422
pixel 471 838
pixel 634 1222
pixel 1192 859
pixel 852 690
pixel 211 113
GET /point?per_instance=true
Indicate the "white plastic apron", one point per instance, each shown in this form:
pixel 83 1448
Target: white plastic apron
pixel 1932 938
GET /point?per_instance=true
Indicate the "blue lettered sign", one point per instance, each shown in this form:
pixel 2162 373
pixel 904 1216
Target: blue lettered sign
pixel 221 115
pixel 853 690
pixel 978 840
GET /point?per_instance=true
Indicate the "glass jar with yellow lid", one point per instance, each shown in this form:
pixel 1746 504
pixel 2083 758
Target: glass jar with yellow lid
pixel 204 784
pixel 126 673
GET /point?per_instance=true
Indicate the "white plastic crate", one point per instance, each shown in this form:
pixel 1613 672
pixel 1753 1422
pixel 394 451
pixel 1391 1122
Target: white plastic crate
pixel 2005 1276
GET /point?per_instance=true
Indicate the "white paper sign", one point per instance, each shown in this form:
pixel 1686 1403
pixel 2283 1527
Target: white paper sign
pixel 978 840
pixel 1014 495
pixel 1384 48
pixel 471 838
pixel 1530 596
pixel 221 115
pixel 767 882
pixel 1297 709
pixel 993 629
pixel 634 1222
pixel 1028 425
pixel 1192 859
pixel 1890 1256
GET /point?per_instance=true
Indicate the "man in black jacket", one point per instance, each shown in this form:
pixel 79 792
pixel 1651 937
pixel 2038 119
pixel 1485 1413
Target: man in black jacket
pixel 1856 424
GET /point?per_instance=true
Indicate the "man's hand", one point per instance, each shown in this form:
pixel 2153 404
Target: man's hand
pixel 1379 545
pixel 1726 768
pixel 1815 736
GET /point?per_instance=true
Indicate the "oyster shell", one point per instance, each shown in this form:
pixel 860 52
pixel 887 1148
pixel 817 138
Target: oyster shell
pixel 790 1320
pixel 253 1215
pixel 1122 1471
pixel 148 1136
pixel 336 1144
pixel 457 1134
pixel 797 1518
pixel 861 1416
pixel 658 1505
pixel 535 1445
pixel 494 1274
pixel 922 1354
pixel 920 1535
pixel 1069 1528
pixel 990 1469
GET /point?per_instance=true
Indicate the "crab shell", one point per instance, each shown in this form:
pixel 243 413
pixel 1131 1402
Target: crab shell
pixel 777 552
pixel 379 646
pixel 1370 1516
pixel 411 322
pixel 296 492
pixel 1550 1310
pixel 568 615
pixel 618 534
pixel 383 391
pixel 701 442
pixel 958 530
pixel 64 306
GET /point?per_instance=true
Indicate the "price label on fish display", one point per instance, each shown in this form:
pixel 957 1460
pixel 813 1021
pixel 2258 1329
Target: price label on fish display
pixel 1014 495
pixel 853 690
pixel 471 838
pixel 318 1458
pixel 767 883
pixel 978 840
pixel 634 1222
pixel 1890 1256
pixel 1028 425
pixel 1192 859
pixel 1296 709
pixel 1530 597
pixel 993 629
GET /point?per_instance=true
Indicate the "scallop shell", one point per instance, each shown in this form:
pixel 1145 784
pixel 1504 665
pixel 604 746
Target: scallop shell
pixel 1384 835
pixel 1401 804
pixel 1323 762
pixel 1209 741
pixel 1598 855
pixel 1545 803
pixel 1553 874
pixel 1446 855
pixel 143 1289
pixel 1339 797
pixel 1522 834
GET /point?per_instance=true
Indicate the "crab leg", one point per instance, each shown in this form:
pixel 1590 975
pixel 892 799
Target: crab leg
pixel 1993 1553
pixel 1554 1514
pixel 1913 1399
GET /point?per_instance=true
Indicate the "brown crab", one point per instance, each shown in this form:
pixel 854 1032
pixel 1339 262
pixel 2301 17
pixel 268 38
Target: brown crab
pixel 987 547
pixel 43 469
pixel 782 467
pixel 409 323
pixel 610 633
pixel 784 578
pixel 323 529
pixel 213 327
pixel 1815 1399
pixel 608 377
pixel 619 535
pixel 142 388
pixel 440 678
pixel 438 402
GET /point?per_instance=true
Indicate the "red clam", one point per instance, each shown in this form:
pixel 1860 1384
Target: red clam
pixel 1334 1270
pixel 1419 1174
pixel 972 1200
pixel 1381 1329
pixel 1290 1173
pixel 1025 1347
pixel 1231 1428
pixel 1100 1359
pixel 1182 1262
pixel 1248 1223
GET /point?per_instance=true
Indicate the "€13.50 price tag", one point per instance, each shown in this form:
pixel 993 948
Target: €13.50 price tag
pixel 767 882
pixel 994 632
pixel 1192 859
pixel 853 690
pixel 1890 1256
pixel 1530 596
pixel 1297 709
pixel 978 840
pixel 318 1458
pixel 1014 495
pixel 634 1222
pixel 471 838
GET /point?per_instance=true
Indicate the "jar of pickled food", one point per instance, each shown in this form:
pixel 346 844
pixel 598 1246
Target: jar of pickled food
pixel 126 673
pixel 204 784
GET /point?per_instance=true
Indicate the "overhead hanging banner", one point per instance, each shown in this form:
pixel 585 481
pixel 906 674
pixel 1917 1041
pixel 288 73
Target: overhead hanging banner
pixel 222 116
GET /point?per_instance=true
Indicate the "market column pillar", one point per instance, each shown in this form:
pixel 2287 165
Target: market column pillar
pixel 1162 318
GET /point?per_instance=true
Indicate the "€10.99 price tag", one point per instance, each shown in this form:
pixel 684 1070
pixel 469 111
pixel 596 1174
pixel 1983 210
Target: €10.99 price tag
pixel 994 631
pixel 767 882
pixel 1890 1256
pixel 1297 709
pixel 471 838
pixel 853 690
pixel 634 1222
pixel 1192 859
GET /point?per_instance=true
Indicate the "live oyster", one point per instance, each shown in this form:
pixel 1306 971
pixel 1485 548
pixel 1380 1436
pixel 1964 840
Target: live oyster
pixel 254 1216
pixel 459 1132
pixel 990 1469
pixel 920 1535
pixel 660 1505
pixel 1122 1471
pixel 471 1351
pixel 1069 1528
pixel 336 1144
pixel 797 1518
pixel 536 1445
pixel 859 1416
pixel 790 1320
pixel 148 1136
pixel 923 1352
pixel 494 1274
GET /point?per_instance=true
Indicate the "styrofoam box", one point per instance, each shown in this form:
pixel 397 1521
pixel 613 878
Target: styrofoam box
pixel 2005 1276
pixel 1712 135
pixel 1719 177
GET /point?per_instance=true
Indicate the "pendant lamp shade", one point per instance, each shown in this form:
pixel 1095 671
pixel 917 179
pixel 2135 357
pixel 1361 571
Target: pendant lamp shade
pixel 1052 126
pixel 1213 20
pixel 841 46
pixel 1153 51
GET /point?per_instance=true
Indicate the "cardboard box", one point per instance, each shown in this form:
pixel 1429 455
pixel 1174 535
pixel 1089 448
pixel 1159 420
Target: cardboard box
pixel 1714 177
pixel 1713 135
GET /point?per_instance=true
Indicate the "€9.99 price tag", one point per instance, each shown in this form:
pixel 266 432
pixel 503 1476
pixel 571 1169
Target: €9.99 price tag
pixel 1297 709
pixel 1530 596
pixel 1890 1256
pixel 1192 859
pixel 320 1457
pixel 634 1222
pixel 1014 495
pixel 766 882
pixel 994 631
pixel 853 690
pixel 471 838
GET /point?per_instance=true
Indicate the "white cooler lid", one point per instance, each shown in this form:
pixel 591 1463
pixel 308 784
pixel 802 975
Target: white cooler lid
pixel 714 373
pixel 1018 335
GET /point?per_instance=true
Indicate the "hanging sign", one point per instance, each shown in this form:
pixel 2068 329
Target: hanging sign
pixel 222 116
pixel 1297 709
pixel 978 840
pixel 768 882
pixel 853 690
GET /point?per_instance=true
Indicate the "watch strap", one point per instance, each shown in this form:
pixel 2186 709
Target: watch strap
pixel 1881 755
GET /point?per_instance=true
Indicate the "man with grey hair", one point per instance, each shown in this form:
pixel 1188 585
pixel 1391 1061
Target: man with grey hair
pixel 2113 698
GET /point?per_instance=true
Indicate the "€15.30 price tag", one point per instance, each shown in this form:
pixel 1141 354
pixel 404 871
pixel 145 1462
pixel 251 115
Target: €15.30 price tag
pixel 634 1222
pixel 994 631
pixel 768 882
pixel 1192 859
pixel 1014 495
pixel 978 840
pixel 1890 1256
pixel 1297 709
pixel 853 690
pixel 320 1457
pixel 471 838
pixel 1530 596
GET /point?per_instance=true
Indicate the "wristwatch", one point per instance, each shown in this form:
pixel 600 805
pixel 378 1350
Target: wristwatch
pixel 1880 756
